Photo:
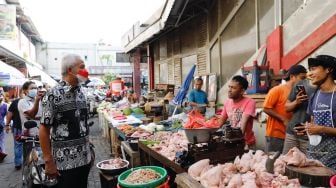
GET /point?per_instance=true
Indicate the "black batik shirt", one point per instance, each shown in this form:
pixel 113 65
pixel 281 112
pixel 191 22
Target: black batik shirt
pixel 65 112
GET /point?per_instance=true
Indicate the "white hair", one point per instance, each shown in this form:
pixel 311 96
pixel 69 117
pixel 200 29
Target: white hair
pixel 69 61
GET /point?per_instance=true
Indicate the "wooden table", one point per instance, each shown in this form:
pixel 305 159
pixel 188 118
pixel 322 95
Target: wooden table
pixel 115 136
pixel 151 157
pixel 183 180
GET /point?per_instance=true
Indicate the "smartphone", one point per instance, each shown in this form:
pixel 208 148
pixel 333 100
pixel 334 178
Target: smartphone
pixel 301 127
pixel 301 88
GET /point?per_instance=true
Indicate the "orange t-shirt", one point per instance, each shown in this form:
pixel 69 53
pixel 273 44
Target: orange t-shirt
pixel 276 100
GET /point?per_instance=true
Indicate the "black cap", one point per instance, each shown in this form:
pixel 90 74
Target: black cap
pixel 295 70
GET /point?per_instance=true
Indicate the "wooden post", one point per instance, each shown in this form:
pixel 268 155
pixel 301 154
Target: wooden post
pixel 137 72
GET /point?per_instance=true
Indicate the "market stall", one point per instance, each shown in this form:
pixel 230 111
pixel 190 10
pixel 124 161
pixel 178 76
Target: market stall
pixel 197 152
pixel 252 170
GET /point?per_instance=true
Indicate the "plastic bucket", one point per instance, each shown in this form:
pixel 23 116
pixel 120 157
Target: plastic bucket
pixel 164 185
pixel 333 181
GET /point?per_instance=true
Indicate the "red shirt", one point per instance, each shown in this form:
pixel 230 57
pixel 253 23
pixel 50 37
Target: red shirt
pixel 234 111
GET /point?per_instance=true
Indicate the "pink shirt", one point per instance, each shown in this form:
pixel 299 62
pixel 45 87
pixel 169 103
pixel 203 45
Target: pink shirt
pixel 234 113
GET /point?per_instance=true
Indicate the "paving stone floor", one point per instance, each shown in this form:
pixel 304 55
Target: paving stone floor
pixel 11 178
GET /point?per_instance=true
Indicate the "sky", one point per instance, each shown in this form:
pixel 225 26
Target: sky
pixel 87 21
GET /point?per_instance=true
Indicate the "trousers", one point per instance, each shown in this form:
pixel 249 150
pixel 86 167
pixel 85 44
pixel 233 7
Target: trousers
pixel 17 147
pixel 77 177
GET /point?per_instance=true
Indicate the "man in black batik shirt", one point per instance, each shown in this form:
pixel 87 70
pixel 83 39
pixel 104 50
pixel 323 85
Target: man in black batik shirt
pixel 64 132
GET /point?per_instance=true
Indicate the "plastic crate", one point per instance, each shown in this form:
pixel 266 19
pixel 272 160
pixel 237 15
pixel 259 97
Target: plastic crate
pixel 257 77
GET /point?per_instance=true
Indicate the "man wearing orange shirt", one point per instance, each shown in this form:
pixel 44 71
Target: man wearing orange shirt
pixel 274 107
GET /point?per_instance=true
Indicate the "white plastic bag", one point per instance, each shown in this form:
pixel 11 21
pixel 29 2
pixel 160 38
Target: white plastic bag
pixel 314 140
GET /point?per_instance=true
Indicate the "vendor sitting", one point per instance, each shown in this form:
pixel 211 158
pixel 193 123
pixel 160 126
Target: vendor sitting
pixel 131 96
pixel 197 98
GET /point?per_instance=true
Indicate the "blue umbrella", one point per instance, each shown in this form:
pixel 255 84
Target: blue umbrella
pixel 181 94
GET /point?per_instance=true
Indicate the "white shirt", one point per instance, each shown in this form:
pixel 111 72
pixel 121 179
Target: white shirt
pixel 24 105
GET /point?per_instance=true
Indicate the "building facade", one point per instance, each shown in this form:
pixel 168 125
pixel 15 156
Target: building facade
pixel 221 36
pixel 18 40
pixel 99 58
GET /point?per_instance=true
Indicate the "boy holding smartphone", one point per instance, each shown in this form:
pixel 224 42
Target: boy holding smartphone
pixel 297 103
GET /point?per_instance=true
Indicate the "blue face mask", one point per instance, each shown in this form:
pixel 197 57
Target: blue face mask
pixel 32 93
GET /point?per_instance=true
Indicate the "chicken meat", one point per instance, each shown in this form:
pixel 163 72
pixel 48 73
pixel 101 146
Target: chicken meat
pixel 236 181
pixel 212 177
pixel 249 180
pixel 196 169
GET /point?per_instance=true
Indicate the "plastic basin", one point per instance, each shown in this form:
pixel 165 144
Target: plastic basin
pixel 112 171
pixel 152 184
pixel 199 135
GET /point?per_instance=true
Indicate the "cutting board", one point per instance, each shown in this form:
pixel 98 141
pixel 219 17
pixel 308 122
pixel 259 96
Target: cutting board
pixel 310 176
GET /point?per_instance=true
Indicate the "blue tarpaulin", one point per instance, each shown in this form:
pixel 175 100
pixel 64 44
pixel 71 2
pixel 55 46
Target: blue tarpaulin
pixel 181 94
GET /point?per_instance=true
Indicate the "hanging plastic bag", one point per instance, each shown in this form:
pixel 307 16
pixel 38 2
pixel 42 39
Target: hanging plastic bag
pixel 196 120
pixel 214 122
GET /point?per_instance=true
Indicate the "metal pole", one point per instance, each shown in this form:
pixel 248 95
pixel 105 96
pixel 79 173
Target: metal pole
pixel 257 24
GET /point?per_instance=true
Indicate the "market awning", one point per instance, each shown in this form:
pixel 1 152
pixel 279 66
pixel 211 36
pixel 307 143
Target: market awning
pixel 155 24
pixel 39 74
pixel 170 16
pixel 11 58
pixel 10 76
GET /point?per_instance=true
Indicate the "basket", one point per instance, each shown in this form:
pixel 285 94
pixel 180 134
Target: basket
pixel 199 135
pixel 333 181
pixel 152 184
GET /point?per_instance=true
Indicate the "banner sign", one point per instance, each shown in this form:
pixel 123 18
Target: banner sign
pixel 7 21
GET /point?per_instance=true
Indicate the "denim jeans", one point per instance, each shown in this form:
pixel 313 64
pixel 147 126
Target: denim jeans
pixel 274 144
pixel 17 148
pixel 2 140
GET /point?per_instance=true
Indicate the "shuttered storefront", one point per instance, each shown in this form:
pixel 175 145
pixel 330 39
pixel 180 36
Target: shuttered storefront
pixel 177 73
pixel 201 62
pixel 179 50
pixel 170 72
pixel 156 73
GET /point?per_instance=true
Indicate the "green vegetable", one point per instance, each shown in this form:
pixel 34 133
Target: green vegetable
pixel 127 111
pixel 176 124
pixel 138 110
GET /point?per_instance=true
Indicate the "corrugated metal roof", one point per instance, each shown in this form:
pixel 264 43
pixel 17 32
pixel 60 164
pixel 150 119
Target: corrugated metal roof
pixel 151 27
pixel 173 14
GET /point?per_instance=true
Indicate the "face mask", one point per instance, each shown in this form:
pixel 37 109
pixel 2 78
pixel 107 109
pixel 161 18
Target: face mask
pixel 32 93
pixel 81 79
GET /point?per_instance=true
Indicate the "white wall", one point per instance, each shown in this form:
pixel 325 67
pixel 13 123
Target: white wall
pixel 51 54
pixel 305 20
